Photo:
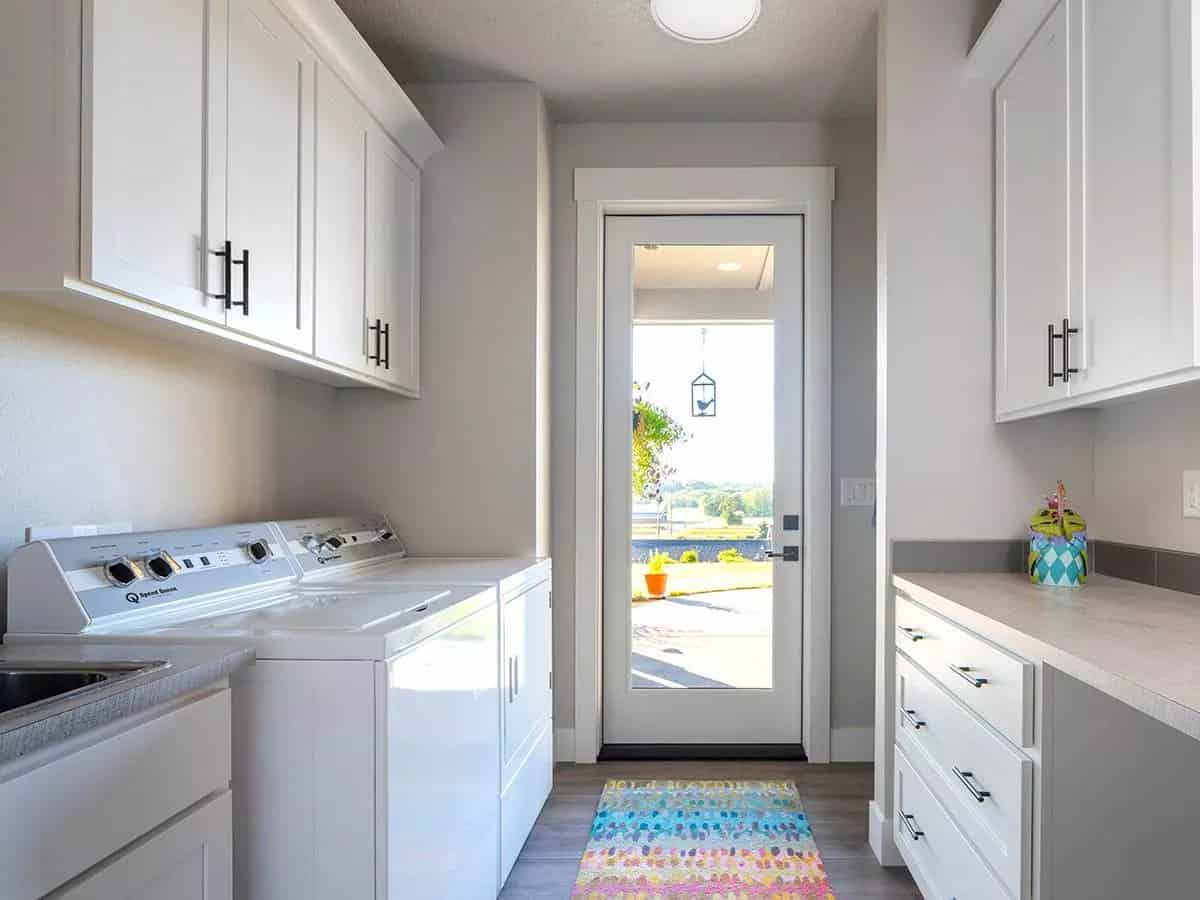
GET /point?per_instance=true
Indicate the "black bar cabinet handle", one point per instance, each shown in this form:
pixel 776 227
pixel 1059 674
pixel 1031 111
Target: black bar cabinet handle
pixel 909 823
pixel 375 357
pixel 1050 336
pixel 244 303
pixel 387 345
pixel 226 253
pixel 1067 331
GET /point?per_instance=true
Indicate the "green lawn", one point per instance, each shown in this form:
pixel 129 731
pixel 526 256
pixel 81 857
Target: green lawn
pixel 705 577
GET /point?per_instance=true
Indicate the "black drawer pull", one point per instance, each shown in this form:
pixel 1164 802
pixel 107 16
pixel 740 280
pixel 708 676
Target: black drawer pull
pixel 964 672
pixel 968 781
pixel 909 823
pixel 911 633
pixel 911 716
pixel 376 357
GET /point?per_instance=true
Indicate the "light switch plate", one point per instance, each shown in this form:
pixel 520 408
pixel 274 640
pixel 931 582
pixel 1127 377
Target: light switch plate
pixel 1191 494
pixel 858 492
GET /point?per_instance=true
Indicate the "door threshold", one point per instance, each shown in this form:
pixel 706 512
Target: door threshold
pixel 627 752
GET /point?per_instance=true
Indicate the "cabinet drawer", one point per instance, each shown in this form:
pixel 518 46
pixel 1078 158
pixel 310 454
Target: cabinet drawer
pixel 942 860
pixel 985 783
pixel 73 812
pixel 992 682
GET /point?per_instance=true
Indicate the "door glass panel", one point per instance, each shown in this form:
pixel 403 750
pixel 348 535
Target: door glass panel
pixel 703 467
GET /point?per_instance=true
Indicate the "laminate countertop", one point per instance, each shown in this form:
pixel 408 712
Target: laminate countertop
pixel 1136 643
pixel 187 668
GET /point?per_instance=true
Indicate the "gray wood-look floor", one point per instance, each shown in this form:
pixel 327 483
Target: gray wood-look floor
pixel 835 798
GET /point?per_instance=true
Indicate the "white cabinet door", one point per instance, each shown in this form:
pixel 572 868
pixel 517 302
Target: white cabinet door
pixel 1133 137
pixel 393 275
pixel 526 678
pixel 270 175
pixel 340 293
pixel 189 859
pixel 146 75
pixel 1032 220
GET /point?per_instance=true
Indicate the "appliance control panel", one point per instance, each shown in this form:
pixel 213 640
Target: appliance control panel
pixel 325 544
pixel 121 574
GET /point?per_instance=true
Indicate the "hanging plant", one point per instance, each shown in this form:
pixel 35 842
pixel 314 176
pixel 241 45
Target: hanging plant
pixel 654 433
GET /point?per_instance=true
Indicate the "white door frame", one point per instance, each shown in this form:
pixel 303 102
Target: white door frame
pixel 806 191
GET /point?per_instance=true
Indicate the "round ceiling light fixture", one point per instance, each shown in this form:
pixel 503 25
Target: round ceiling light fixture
pixel 705 21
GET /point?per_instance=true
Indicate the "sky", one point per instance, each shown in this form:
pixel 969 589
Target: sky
pixel 737 444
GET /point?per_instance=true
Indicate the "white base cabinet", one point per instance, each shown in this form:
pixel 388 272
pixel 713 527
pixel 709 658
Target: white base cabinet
pixel 139 808
pixel 188 859
pixel 170 172
pixel 1097 210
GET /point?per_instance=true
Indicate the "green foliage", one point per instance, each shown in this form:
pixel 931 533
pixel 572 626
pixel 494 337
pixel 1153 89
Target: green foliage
pixel 763 531
pixel 757 502
pixel 730 510
pixel 731 555
pixel 658 563
pixel 689 556
pixel 654 432
pixel 711 504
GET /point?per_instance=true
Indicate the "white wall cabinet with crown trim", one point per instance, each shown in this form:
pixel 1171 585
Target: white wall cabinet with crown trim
pixel 170 175
pixel 1097 211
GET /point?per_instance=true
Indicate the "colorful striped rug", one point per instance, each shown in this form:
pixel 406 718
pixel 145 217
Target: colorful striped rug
pixel 716 840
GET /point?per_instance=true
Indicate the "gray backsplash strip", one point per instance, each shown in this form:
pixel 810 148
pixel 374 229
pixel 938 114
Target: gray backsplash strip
pixel 959 556
pixel 1149 565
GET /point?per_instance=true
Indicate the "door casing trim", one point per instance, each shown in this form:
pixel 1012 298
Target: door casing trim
pixel 802 190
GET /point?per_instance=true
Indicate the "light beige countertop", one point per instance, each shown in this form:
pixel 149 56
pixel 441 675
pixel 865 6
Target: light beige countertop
pixel 1136 643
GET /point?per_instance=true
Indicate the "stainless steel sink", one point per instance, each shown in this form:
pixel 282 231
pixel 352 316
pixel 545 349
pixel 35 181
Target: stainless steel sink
pixel 27 684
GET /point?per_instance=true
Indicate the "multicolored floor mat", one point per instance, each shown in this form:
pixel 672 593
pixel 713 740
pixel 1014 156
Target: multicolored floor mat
pixel 716 840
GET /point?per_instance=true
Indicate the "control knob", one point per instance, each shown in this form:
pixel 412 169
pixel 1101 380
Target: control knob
pixel 122 571
pixel 259 551
pixel 162 565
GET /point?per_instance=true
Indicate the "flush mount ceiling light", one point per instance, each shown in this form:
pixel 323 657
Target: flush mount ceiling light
pixel 729 267
pixel 705 21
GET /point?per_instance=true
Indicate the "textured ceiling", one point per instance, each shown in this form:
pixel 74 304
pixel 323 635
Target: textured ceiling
pixel 606 60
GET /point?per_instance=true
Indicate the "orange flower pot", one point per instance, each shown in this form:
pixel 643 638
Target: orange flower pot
pixel 656 584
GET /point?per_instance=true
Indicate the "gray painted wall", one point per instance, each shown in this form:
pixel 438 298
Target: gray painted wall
pixel 1142 448
pixel 100 425
pixel 463 469
pixel 848 145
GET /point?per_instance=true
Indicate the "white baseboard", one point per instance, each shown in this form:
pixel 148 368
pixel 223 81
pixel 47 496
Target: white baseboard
pixel 852 744
pixel 564 745
pixel 879 835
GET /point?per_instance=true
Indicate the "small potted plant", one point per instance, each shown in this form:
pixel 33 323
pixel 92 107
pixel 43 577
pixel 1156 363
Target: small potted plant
pixel 656 575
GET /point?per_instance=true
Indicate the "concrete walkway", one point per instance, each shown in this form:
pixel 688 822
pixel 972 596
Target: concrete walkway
pixel 717 640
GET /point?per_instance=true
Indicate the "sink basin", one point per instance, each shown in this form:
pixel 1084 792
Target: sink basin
pixel 24 685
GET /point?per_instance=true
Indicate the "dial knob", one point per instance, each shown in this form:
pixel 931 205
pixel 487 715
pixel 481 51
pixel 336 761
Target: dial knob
pixel 332 541
pixel 385 534
pixel 122 571
pixel 162 565
pixel 311 544
pixel 259 551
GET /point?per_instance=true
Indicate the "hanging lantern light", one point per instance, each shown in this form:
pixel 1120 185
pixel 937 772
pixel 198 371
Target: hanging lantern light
pixel 704 388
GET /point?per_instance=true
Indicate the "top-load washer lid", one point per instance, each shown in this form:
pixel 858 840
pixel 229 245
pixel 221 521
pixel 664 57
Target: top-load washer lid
pixel 333 624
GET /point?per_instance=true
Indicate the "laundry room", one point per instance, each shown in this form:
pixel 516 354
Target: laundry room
pixel 559 448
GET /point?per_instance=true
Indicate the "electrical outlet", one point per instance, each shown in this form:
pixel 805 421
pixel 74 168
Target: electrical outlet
pixel 1191 494
pixel 858 492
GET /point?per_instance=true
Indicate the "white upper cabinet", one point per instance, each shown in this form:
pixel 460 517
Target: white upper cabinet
pixel 341 228
pixel 177 180
pixel 1132 93
pixel 393 272
pixel 1032 221
pixel 1096 206
pixel 143 210
pixel 269 180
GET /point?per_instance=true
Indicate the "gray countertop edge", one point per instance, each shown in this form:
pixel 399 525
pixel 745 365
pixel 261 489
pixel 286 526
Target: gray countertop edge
pixel 1169 711
pixel 191 668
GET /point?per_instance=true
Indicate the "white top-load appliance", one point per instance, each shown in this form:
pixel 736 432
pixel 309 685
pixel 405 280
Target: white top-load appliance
pixel 366 737
pixel 362 552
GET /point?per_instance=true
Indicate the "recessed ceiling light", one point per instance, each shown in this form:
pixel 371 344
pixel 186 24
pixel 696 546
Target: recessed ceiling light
pixel 705 21
pixel 729 266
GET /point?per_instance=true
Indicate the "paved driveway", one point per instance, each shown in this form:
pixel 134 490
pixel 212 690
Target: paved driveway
pixel 716 640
